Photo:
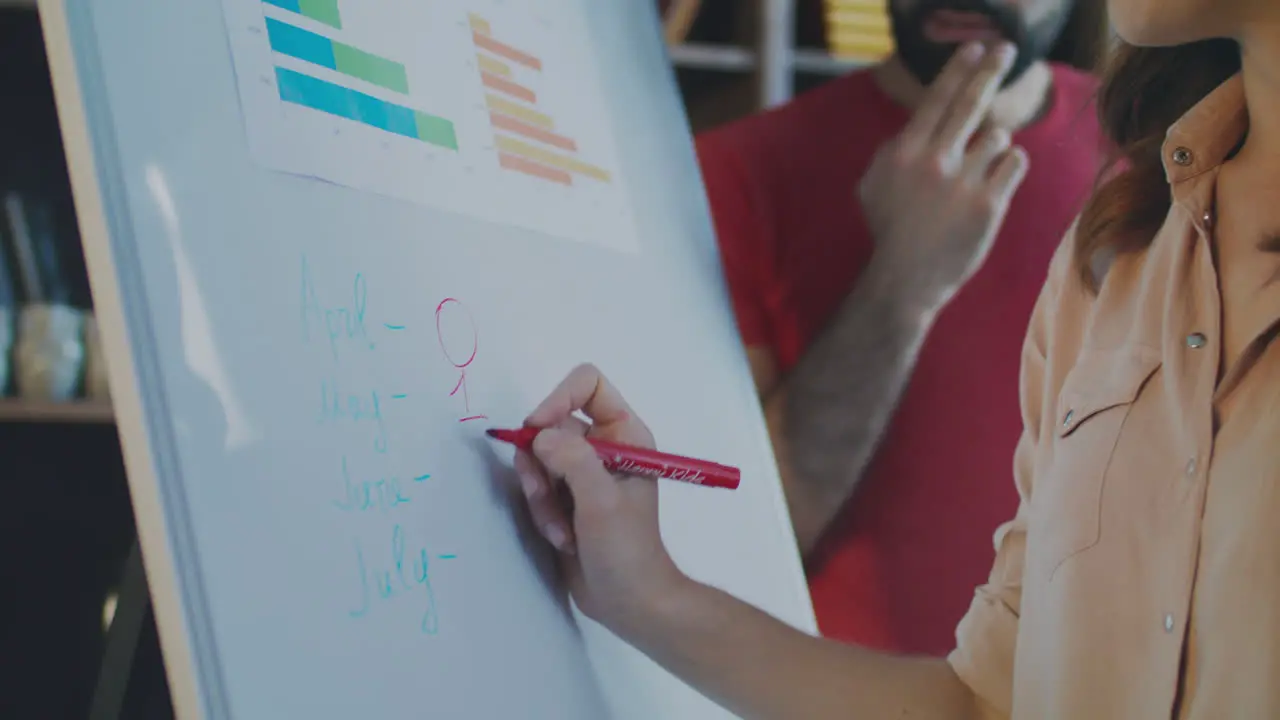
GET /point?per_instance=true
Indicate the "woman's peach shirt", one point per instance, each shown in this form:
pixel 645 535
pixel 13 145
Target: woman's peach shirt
pixel 1140 578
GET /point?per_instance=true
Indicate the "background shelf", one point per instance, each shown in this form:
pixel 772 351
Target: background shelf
pixel 79 411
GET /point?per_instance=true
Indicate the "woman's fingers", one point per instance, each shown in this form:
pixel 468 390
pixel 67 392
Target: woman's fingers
pixel 546 504
pixel 546 496
pixel 583 389
pixel 587 390
pixel 568 455
pixel 562 459
pixel 573 424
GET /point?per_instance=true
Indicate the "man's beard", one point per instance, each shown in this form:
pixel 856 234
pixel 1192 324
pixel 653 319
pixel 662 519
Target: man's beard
pixel 925 58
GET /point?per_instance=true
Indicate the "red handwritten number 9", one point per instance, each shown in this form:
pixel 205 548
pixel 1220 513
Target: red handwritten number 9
pixel 461 366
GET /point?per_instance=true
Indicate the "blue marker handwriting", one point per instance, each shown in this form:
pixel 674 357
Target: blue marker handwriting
pixel 337 405
pixel 398 574
pixel 393 568
pixel 339 323
pixel 382 493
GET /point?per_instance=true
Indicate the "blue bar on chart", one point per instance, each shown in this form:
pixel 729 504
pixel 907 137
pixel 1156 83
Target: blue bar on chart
pixel 291 5
pixel 344 102
pixel 319 50
pixel 302 44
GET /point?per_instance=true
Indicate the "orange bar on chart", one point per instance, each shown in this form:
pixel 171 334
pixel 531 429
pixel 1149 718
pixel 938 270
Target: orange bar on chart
pixel 528 167
pixel 493 82
pixel 502 122
pixel 502 49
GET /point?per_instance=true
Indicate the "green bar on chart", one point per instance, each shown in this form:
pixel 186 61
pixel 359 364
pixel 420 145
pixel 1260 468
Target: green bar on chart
pixel 370 68
pixel 436 130
pixel 325 11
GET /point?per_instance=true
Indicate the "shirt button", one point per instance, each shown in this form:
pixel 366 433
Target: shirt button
pixel 1066 419
pixel 1191 467
pixel 1182 156
pixel 1168 622
pixel 1195 341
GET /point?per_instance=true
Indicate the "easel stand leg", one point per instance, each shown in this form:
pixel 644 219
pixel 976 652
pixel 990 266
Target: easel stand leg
pixel 131 683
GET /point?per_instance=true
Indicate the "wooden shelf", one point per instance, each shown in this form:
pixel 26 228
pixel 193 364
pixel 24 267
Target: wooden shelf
pixel 15 410
pixel 727 58
pixel 820 62
pixel 701 56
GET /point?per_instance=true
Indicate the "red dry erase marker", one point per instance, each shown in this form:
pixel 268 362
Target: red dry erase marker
pixel 631 460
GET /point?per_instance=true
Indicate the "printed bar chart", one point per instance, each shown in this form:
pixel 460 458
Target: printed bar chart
pixel 319 50
pixel 479 24
pixel 322 11
pixel 519 164
pixel 518 111
pixel 526 138
pixel 340 101
pixel 502 85
pixel 494 67
pixel 490 109
pixel 546 157
pixel 326 97
pixel 502 122
pixel 486 42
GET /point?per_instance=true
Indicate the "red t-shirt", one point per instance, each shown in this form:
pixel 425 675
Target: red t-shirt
pixel 898 569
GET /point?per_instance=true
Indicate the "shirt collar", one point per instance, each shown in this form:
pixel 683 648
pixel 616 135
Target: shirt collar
pixel 1203 137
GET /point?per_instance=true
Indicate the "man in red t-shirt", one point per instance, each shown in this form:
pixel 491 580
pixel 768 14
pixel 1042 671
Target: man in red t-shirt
pixel 883 323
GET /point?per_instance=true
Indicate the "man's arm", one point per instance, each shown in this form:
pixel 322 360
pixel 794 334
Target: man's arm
pixel 827 417
pixel 933 203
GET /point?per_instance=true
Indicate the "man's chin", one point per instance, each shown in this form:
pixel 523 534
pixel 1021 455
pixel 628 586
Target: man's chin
pixel 926 66
pixel 926 69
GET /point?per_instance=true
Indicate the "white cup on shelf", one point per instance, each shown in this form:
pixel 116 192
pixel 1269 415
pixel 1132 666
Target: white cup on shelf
pixel 49 355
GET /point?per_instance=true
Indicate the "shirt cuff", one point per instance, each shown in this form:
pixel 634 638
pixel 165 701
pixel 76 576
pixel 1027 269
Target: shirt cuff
pixel 986 639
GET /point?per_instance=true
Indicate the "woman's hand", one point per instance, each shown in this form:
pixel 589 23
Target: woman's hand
pixel 604 527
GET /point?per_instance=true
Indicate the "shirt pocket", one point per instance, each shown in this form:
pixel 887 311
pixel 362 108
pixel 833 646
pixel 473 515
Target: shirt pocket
pixel 1096 398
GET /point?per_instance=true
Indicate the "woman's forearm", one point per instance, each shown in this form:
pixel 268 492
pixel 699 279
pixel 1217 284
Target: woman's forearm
pixel 763 669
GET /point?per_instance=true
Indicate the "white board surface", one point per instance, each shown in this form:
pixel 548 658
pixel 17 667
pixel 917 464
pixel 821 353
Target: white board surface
pixel 311 318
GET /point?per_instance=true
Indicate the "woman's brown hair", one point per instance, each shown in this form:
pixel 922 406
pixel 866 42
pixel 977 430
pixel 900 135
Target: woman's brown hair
pixel 1083 37
pixel 1144 91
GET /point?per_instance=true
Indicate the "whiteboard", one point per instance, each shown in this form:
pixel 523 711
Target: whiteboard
pixel 314 301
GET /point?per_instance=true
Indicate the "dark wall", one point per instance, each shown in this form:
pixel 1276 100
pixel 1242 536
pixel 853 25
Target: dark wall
pixel 31 156
pixel 65 530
